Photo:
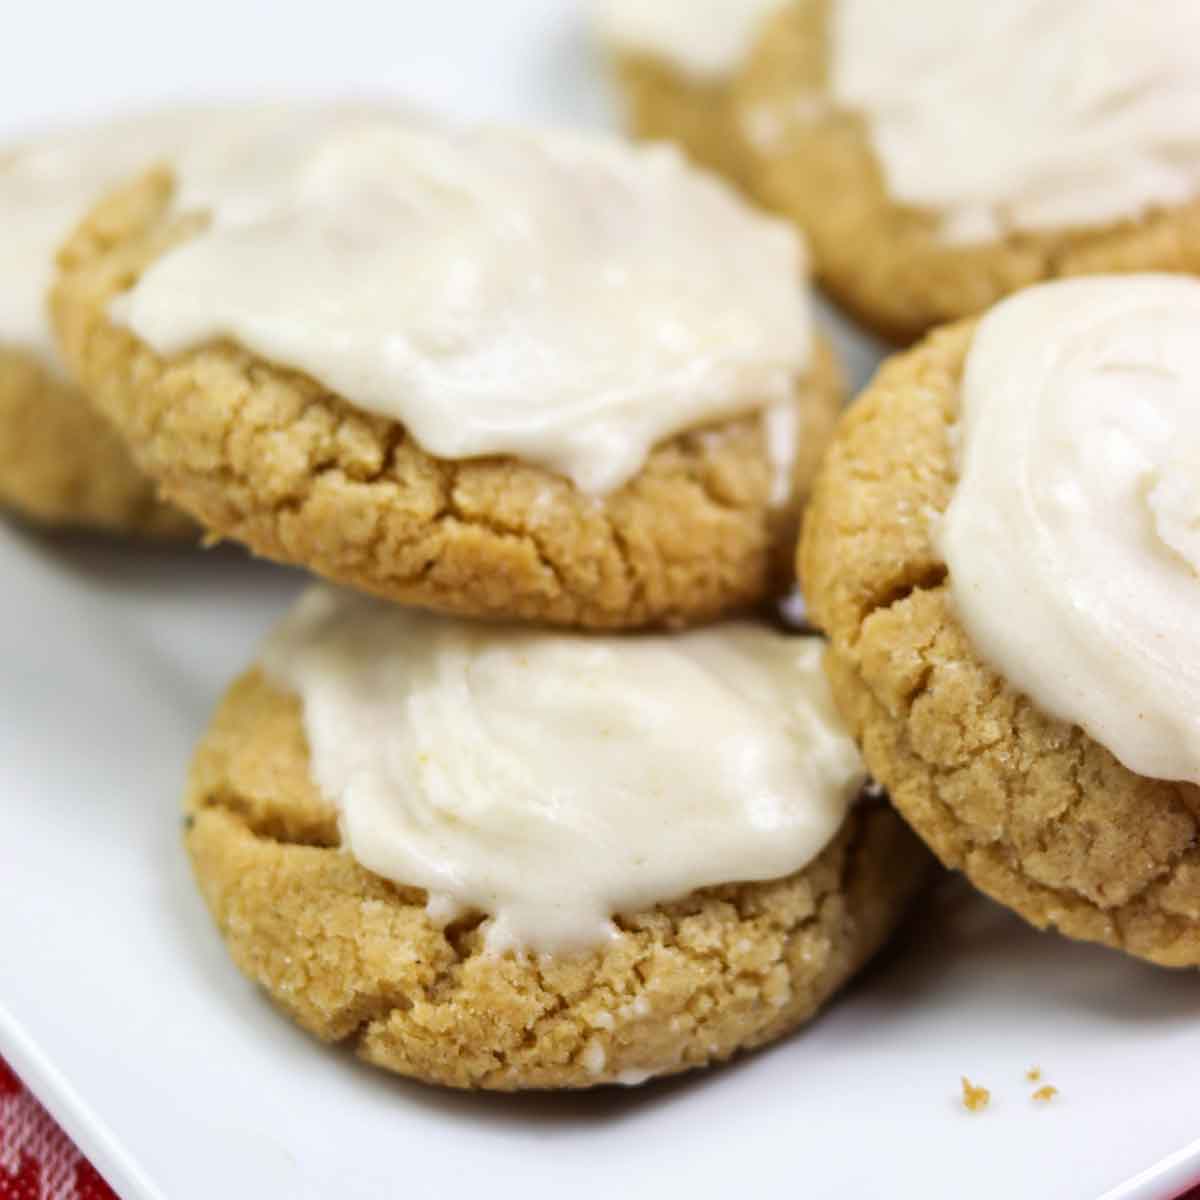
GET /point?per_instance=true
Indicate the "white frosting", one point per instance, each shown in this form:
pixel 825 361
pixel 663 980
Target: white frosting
pixel 634 1076
pixel 1025 114
pixel 49 185
pixel 552 780
pixel 703 38
pixel 45 190
pixel 1073 536
pixel 566 301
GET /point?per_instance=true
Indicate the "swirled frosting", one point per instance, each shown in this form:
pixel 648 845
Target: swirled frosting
pixel 1025 114
pixel 1073 535
pixel 708 39
pixel 552 780
pixel 567 301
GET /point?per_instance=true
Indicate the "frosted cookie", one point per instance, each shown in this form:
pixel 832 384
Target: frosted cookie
pixel 62 464
pixel 676 63
pixel 60 461
pixel 941 156
pixel 499 373
pixel 492 857
pixel 1002 547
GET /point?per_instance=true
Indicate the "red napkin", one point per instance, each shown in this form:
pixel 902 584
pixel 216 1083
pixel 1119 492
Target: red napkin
pixel 37 1160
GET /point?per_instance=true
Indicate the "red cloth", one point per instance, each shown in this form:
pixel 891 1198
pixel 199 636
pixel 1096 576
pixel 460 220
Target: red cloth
pixel 39 1162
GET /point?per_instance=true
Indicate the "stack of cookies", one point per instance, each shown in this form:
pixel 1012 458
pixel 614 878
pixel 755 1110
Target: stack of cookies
pixel 521 795
pixel 1002 544
pixel 528 791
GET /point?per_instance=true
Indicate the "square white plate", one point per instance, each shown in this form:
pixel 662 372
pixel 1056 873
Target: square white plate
pixel 118 1004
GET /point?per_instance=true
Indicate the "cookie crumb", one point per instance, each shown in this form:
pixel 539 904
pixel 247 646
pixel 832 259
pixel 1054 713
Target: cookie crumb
pixel 1033 1074
pixel 594 1058
pixel 975 1099
pixel 871 790
pixel 1045 1094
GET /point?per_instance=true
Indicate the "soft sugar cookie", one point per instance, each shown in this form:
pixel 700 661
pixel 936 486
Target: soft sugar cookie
pixel 493 372
pixel 942 155
pixel 688 893
pixel 1002 548
pixel 676 62
pixel 61 463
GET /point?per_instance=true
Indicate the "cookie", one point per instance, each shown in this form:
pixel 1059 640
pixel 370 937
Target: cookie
pixel 927 202
pixel 61 464
pixel 608 534
pixel 1037 813
pixel 357 960
pixel 676 65
pixel 662 104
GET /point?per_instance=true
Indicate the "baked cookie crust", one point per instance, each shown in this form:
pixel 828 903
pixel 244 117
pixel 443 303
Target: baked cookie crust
pixel 1034 812
pixel 62 464
pixel 354 959
pixel 270 458
pixel 885 261
pixel 664 104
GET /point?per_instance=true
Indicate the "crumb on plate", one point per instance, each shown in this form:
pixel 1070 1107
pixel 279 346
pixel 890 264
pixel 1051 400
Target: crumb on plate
pixel 1033 1074
pixel 1045 1094
pixel 975 1099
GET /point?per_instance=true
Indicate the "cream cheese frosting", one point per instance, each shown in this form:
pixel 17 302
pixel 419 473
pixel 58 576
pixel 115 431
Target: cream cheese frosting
pixel 46 188
pixel 1025 115
pixel 554 780
pixel 1073 535
pixel 708 39
pixel 48 185
pixel 567 301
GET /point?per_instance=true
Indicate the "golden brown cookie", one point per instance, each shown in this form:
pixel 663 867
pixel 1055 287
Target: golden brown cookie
pixel 61 463
pixel 663 103
pixel 268 457
pixel 353 958
pixel 885 261
pixel 1038 815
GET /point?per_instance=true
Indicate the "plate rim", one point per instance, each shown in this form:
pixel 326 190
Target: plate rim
pixel 1167 1179
pixel 92 1136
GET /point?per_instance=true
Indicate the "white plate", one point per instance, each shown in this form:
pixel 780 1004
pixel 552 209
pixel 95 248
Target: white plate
pixel 119 1006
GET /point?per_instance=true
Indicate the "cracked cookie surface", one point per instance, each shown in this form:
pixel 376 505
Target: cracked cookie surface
pixel 884 261
pixel 1038 815
pixel 62 464
pixel 354 959
pixel 272 459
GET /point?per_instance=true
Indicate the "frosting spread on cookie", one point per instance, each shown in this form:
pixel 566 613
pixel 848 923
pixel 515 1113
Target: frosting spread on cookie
pixel 1025 114
pixel 563 300
pixel 553 780
pixel 1073 535
pixel 708 39
pixel 48 186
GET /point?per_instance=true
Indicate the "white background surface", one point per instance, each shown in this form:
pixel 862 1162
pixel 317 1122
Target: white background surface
pixel 117 1002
